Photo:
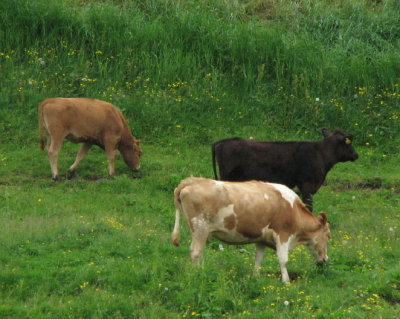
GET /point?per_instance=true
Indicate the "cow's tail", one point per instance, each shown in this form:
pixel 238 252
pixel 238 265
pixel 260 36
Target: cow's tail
pixel 213 161
pixel 176 231
pixel 178 207
pixel 40 116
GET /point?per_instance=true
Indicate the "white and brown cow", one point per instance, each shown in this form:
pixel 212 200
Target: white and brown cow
pixel 269 215
pixel 87 121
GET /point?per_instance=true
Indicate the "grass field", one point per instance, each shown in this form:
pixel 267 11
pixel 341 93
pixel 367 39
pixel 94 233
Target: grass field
pixel 95 247
pixel 185 74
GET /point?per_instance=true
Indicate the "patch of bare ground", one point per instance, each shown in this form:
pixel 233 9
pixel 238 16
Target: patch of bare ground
pixel 375 183
pixel 264 9
pixel 393 298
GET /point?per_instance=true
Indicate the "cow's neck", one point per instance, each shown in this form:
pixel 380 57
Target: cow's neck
pixel 308 223
pixel 126 139
pixel 328 155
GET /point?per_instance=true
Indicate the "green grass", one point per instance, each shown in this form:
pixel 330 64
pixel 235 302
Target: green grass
pixel 185 74
pixel 99 247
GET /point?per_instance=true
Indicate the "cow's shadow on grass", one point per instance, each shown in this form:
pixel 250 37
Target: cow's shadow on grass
pixel 90 177
pixel 294 276
pixel 102 178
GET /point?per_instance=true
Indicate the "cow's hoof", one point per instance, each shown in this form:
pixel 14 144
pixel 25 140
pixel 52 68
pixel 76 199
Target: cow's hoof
pixel 70 173
pixel 56 178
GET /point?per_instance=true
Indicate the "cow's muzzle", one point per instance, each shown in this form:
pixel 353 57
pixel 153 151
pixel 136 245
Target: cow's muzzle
pixel 322 261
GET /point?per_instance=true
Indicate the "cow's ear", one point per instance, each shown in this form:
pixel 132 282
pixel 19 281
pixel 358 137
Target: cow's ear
pixel 325 132
pixel 323 218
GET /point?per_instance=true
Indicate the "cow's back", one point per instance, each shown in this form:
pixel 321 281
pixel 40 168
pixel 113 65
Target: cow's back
pixel 243 160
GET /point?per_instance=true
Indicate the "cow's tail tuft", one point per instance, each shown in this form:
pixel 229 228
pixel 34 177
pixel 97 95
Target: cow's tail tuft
pixel 40 116
pixel 213 161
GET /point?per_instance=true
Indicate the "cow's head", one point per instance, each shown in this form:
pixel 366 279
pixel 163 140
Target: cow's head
pixel 131 153
pixel 341 145
pixel 318 240
pixel 137 152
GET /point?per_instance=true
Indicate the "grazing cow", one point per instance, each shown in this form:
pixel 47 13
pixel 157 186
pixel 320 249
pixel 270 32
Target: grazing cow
pixel 87 121
pixel 302 164
pixel 269 215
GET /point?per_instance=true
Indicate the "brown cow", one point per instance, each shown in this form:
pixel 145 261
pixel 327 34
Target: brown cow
pixel 88 121
pixel 267 214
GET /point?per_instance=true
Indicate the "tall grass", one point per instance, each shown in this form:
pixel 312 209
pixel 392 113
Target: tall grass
pixel 243 55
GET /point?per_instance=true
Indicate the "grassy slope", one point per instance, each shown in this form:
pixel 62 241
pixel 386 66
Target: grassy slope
pixel 99 248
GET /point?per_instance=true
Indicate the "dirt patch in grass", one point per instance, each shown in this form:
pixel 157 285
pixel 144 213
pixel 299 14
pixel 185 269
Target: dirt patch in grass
pixel 391 298
pixel 371 184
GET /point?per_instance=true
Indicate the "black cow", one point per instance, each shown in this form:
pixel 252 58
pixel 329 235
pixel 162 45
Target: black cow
pixel 302 164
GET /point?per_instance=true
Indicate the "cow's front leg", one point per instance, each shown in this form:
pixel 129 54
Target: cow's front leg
pixel 307 190
pixel 110 159
pixel 282 251
pixel 79 157
pixel 260 249
pixel 307 198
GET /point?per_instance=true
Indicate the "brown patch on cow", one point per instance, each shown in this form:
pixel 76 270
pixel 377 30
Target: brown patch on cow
pixel 251 228
pixel 250 233
pixel 230 222
pixel 282 221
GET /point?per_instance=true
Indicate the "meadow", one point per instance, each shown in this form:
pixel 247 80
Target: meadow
pixel 185 74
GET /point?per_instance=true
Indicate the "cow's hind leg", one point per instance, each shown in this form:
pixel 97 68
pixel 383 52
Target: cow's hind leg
pixel 260 249
pixel 199 239
pixel 53 149
pixel 79 157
